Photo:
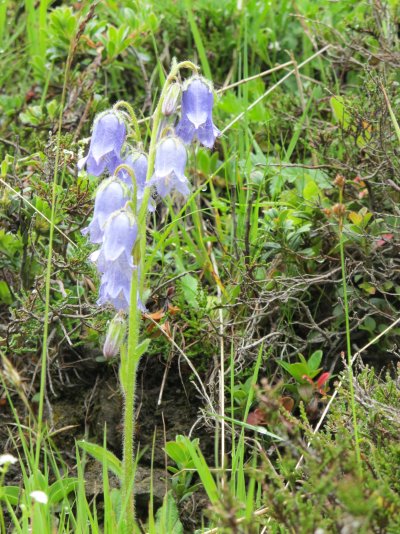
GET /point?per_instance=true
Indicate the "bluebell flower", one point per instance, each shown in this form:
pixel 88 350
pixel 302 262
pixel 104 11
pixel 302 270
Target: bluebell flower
pixel 111 196
pixel 137 161
pixel 196 115
pixel 120 235
pixel 108 136
pixel 114 260
pixel 169 167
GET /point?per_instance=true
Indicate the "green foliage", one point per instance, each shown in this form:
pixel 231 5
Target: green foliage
pixel 309 368
pixel 167 517
pixel 181 481
pixel 104 456
pixel 262 211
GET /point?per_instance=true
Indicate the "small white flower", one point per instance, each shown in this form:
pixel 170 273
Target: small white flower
pixel 39 496
pixel 274 46
pixel 7 459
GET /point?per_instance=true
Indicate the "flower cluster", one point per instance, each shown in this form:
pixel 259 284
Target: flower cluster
pixel 119 197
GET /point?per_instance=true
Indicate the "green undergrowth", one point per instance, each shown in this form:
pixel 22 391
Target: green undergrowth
pixel 253 255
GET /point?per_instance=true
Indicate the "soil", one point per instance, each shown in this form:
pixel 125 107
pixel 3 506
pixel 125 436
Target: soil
pixel 90 401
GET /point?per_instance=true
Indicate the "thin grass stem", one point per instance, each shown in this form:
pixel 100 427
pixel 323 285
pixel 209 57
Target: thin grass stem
pixel 348 340
pixel 43 372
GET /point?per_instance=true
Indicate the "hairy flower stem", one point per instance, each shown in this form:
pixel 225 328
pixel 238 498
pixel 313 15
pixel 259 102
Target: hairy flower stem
pixel 128 378
pixel 131 173
pixel 130 357
pixel 129 364
pixel 348 339
pixel 132 115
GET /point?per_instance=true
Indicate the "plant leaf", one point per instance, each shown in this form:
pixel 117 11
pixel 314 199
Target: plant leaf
pixel 167 517
pixel 314 360
pixel 103 455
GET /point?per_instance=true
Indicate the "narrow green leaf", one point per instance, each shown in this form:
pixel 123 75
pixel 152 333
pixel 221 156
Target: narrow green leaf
pixel 203 471
pixel 11 494
pixel 198 40
pixel 142 347
pixel 339 111
pixel 102 455
pixel 61 488
pixel 254 428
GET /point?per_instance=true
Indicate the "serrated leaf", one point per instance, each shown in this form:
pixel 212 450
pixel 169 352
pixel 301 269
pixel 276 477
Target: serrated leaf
pixel 311 191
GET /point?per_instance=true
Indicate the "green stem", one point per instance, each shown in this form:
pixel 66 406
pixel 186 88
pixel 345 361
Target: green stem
pixel 348 340
pixel 43 371
pixel 131 173
pixel 129 358
pixel 2 522
pixel 132 114
pixel 129 385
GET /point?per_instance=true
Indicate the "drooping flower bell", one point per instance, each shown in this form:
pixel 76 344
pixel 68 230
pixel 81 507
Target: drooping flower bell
pixel 169 167
pixel 114 259
pixel 111 196
pixel 196 115
pixel 108 136
pixel 137 161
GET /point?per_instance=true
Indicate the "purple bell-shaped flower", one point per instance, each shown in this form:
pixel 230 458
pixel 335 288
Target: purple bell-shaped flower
pixel 108 136
pixel 196 115
pixel 111 196
pixel 169 167
pixel 114 260
pixel 137 161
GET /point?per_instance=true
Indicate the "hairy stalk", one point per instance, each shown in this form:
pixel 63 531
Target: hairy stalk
pixel 129 385
pixel 130 359
pixel 128 169
pixel 129 364
pixel 43 371
pixel 348 339
pixel 132 115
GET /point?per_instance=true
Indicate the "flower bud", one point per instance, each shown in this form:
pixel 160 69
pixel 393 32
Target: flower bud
pixel 170 102
pixel 115 337
pixel 339 181
pixel 339 210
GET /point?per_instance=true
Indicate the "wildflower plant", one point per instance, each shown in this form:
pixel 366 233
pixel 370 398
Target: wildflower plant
pixel 122 203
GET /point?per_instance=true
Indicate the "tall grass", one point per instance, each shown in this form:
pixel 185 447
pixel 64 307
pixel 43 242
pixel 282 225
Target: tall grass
pixel 3 20
pixel 36 22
